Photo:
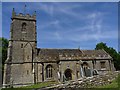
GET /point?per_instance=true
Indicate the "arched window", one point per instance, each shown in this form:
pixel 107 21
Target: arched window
pixel 49 71
pixel 23 26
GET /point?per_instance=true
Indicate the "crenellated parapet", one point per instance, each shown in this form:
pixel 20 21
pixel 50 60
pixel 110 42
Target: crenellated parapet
pixel 23 16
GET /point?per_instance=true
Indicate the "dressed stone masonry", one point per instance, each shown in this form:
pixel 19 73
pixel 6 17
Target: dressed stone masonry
pixel 27 64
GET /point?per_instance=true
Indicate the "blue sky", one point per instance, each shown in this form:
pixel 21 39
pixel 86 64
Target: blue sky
pixel 69 25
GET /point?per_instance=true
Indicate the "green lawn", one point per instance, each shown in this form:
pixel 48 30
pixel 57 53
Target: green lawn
pixel 39 85
pixel 114 84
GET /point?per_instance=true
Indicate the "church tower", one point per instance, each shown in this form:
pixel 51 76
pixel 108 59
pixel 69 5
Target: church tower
pixel 21 50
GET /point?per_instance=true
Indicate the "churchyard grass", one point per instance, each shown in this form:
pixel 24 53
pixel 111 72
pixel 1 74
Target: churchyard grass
pixel 39 85
pixel 115 84
pixel 42 84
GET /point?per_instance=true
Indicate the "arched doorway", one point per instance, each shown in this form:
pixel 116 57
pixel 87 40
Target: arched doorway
pixel 68 74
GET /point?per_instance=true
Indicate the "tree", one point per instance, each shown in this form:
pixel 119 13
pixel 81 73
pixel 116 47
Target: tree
pixel 101 46
pixel 113 53
pixel 3 47
pixel 3 54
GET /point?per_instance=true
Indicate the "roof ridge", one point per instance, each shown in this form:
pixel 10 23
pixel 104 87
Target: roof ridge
pixel 104 51
pixel 60 48
pixel 82 52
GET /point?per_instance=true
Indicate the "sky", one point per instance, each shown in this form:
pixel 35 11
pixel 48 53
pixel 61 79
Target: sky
pixel 68 25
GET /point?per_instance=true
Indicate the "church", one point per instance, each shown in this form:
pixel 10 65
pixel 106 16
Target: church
pixel 26 64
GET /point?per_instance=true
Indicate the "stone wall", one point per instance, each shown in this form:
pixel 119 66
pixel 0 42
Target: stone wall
pixel 88 82
pixel 72 65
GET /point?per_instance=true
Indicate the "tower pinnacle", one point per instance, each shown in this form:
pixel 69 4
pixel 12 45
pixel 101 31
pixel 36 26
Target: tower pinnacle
pixel 13 12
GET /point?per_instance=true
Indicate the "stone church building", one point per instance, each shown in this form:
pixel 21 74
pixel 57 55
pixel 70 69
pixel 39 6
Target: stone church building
pixel 27 64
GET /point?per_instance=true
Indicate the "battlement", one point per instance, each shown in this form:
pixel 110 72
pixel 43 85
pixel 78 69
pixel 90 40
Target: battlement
pixel 23 16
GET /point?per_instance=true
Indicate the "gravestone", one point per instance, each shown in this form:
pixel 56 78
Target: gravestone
pixel 88 72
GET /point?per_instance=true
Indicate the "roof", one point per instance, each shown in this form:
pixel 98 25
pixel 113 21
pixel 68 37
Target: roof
pixel 46 55
pixel 57 54
pixel 97 54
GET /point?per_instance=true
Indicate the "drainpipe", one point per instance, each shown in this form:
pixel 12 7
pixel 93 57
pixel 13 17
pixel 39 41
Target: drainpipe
pixel 42 71
pixel 34 75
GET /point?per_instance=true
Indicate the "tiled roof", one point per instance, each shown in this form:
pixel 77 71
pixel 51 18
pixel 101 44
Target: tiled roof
pixel 97 54
pixel 69 54
pixel 57 54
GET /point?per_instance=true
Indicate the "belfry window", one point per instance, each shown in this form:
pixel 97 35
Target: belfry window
pixel 27 72
pixel 21 45
pixel 49 71
pixel 23 26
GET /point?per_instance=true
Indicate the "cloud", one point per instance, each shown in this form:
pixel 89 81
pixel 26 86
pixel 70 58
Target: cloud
pixel 69 10
pixel 68 23
pixel 90 36
pixel 93 30
pixel 57 8
pixel 95 21
pixel 57 36
pixel 47 8
pixel 49 24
